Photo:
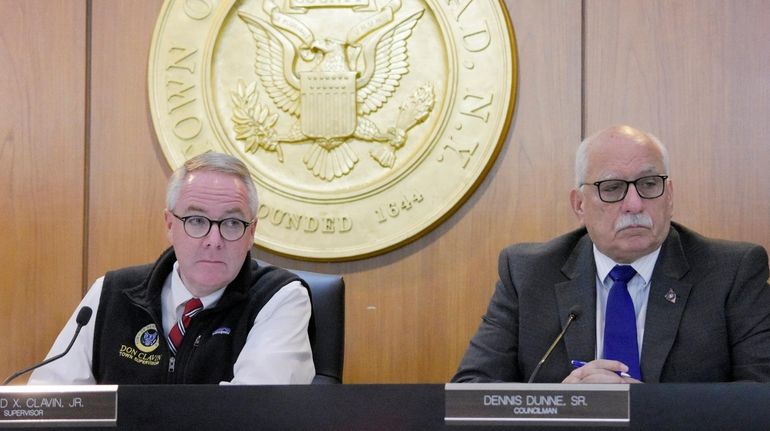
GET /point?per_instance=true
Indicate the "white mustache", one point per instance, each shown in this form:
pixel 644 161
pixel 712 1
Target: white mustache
pixel 628 220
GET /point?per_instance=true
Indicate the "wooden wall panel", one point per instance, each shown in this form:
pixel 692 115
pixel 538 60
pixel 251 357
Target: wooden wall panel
pixel 695 73
pixel 42 115
pixel 127 169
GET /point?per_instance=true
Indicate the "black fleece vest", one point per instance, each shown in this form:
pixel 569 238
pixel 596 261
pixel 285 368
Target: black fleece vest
pixel 131 348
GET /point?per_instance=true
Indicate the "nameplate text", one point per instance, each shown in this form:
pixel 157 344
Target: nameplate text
pixel 52 406
pixel 536 404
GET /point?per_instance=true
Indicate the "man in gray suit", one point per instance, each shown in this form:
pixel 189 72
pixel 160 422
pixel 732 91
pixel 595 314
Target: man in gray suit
pixel 702 306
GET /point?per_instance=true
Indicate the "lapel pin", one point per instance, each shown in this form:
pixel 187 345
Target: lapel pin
pixel 671 296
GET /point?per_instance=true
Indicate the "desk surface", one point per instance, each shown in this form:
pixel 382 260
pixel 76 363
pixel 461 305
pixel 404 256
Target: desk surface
pixel 411 407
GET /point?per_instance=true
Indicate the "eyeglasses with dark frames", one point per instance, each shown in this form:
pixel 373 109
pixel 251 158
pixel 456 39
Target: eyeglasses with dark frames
pixel 198 226
pixel 649 187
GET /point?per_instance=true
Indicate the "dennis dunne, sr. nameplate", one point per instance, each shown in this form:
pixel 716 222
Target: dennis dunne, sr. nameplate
pixel 58 406
pixel 537 404
pixel 364 123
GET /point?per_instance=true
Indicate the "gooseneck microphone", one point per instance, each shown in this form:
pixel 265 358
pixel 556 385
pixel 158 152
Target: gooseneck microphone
pixel 574 313
pixel 84 315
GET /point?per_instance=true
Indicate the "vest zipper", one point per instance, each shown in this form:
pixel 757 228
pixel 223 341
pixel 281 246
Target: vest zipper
pixel 172 359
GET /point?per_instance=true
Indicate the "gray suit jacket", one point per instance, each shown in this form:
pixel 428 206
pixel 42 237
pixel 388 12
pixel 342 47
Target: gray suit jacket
pixel 718 329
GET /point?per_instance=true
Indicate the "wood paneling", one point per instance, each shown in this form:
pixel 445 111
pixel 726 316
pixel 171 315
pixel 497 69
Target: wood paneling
pixel 696 74
pixel 127 169
pixel 42 128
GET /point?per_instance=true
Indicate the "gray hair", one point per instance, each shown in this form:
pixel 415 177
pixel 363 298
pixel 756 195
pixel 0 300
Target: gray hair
pixel 212 162
pixel 581 156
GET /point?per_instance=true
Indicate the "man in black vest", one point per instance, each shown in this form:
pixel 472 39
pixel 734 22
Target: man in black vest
pixel 204 312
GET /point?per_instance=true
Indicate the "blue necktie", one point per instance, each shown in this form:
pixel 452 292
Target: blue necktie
pixel 620 322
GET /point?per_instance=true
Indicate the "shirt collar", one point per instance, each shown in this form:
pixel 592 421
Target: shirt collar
pixel 643 266
pixel 180 294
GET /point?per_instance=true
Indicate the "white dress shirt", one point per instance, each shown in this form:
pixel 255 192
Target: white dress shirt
pixel 638 288
pixel 277 349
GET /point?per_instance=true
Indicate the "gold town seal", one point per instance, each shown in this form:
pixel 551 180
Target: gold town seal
pixel 365 123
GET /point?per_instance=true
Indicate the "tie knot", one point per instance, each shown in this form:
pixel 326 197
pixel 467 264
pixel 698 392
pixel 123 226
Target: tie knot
pixel 192 306
pixel 622 273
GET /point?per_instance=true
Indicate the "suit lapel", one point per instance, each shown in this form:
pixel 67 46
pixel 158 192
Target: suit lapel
pixel 580 290
pixel 665 305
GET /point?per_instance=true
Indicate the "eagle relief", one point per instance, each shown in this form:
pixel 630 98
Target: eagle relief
pixel 329 87
pixel 365 123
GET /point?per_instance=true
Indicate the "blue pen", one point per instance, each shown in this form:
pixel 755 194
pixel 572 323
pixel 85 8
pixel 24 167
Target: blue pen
pixel 578 364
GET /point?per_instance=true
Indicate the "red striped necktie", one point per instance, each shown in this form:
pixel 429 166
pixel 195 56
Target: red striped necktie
pixel 191 308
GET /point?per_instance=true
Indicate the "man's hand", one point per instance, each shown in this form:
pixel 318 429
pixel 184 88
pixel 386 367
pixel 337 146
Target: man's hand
pixel 601 371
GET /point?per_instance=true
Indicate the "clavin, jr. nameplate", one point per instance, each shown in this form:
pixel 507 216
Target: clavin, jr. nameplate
pixel 536 404
pixel 51 406
pixel 364 123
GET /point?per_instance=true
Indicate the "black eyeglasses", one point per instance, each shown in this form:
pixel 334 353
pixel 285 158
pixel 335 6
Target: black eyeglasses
pixel 649 187
pixel 197 226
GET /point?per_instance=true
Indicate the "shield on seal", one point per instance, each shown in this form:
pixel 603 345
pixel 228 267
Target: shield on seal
pixel 328 104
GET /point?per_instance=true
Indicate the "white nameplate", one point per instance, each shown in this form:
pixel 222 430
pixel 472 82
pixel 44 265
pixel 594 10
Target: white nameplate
pixel 51 406
pixel 536 404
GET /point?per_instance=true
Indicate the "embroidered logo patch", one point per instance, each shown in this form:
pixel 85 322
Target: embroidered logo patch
pixel 145 341
pixel 148 338
pixel 221 331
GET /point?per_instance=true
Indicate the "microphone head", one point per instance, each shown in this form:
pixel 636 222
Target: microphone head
pixel 575 311
pixel 84 315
